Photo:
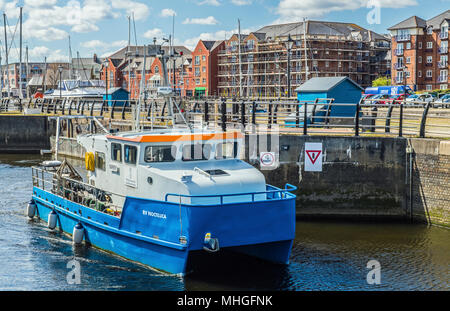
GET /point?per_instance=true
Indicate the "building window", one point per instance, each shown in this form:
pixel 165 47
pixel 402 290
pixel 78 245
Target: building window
pixel 327 64
pixel 430 30
pixel 429 87
pixel 429 44
pixel 444 86
pixel 197 71
pixel 420 45
pixel 408 60
pixel 429 59
pixel 419 73
pixel 156 69
pixel 420 59
pixel 197 81
pixel 203 69
pixel 408 45
pixel 197 60
pixel 204 81
pixel 204 58
pixel 429 73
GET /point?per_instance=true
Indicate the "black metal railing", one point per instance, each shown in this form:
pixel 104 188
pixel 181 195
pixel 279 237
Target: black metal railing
pixel 322 116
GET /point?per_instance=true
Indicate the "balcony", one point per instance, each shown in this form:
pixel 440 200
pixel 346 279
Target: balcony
pixel 443 65
pixel 402 38
pixel 443 35
pixel 398 52
pixel 399 66
pixel 443 50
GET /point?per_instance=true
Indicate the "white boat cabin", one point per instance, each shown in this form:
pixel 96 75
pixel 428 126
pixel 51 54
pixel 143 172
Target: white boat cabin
pixel 152 164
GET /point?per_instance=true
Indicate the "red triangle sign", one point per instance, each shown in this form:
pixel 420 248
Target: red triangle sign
pixel 313 155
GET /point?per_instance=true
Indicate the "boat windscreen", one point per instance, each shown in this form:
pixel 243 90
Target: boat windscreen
pixel 160 154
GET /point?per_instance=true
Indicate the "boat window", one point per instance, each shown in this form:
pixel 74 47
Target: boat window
pixel 226 150
pixel 116 152
pixel 160 154
pixel 100 160
pixel 130 154
pixel 196 152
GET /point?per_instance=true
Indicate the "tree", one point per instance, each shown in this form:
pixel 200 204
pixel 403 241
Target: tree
pixel 381 81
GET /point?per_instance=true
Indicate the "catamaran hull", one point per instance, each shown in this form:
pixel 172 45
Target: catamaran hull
pixel 161 234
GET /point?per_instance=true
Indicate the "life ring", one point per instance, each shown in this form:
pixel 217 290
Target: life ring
pixel 90 161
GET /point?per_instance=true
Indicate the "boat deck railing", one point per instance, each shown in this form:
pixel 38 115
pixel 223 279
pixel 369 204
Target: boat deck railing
pixel 76 191
pixel 271 193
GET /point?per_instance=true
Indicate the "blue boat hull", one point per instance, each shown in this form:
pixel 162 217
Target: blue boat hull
pixel 161 234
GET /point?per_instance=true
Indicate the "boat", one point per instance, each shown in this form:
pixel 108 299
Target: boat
pixel 159 196
pixel 78 89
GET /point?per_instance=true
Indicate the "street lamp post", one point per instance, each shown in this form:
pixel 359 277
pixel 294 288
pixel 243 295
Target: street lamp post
pixel 60 69
pixel 105 64
pixel 289 44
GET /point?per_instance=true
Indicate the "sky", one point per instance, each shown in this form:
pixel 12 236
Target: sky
pixel 101 26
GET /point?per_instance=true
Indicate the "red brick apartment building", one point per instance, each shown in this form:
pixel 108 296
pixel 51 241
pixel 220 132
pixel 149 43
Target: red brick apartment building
pixel 195 72
pixel 126 65
pixel 204 69
pixel 420 52
pixel 259 66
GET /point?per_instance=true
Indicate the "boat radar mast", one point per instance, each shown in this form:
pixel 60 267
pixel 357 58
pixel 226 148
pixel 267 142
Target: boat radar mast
pixel 165 91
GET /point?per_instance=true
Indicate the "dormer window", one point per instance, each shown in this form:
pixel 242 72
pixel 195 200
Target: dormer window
pixel 430 30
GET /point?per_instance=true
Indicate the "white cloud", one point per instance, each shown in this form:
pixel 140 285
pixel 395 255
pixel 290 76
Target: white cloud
pixel 210 20
pixel 101 45
pixel 152 33
pixel 38 53
pixel 168 13
pixel 140 10
pixel 241 2
pixel 213 36
pixel 294 10
pixel 209 2
pixel 40 3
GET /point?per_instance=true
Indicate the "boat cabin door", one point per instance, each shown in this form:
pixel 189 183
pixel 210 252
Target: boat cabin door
pixel 130 167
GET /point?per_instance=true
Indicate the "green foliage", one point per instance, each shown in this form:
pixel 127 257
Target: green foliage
pixel 381 81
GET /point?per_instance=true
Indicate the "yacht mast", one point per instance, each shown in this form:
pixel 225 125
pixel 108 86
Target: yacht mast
pixel 239 49
pixel 20 56
pixel 305 50
pixel 70 61
pixel 6 54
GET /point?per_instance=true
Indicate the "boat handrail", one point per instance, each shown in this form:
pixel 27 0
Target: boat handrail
pixel 41 181
pixel 284 194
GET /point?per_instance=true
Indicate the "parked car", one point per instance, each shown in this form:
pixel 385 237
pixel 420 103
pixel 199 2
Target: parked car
pixel 380 99
pixel 444 101
pixel 420 99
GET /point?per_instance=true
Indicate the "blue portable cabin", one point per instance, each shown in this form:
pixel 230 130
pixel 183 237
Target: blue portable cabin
pixel 118 94
pixel 342 89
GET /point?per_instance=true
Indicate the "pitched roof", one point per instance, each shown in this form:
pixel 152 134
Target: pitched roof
pixel 316 28
pixel 208 44
pixel 137 51
pixel 436 21
pixel 324 84
pixel 412 22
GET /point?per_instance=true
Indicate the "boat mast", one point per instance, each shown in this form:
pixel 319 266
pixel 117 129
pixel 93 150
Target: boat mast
pixel 305 50
pixel 239 49
pixel 129 54
pixel 138 108
pixel 26 71
pixel 6 53
pixel 20 56
pixel 70 61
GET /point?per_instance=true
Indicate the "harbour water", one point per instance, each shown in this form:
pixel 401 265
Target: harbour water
pixel 325 256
